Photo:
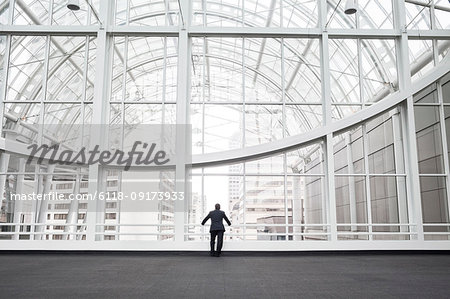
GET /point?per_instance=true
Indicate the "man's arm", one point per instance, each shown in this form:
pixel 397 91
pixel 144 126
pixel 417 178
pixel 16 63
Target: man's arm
pixel 206 219
pixel 226 219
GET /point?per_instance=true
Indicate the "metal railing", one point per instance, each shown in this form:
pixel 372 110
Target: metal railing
pixel 30 230
pixel 77 231
pixel 158 231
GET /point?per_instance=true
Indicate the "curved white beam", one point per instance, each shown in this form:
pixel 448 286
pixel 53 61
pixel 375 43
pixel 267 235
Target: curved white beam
pixel 289 143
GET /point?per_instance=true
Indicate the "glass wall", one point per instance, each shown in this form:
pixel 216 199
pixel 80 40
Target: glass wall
pixel 431 119
pixel 305 123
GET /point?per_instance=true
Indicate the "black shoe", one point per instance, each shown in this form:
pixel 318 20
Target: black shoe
pixel 217 254
pixel 211 253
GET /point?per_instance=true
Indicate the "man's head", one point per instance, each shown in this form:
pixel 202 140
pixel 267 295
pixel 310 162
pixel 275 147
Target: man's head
pixel 217 206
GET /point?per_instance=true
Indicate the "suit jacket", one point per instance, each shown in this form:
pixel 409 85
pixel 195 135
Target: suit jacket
pixel 216 220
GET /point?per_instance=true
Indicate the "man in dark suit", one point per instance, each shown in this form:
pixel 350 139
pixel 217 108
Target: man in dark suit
pixel 216 229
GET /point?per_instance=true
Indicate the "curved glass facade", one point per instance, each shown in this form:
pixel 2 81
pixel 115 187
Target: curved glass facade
pixel 305 123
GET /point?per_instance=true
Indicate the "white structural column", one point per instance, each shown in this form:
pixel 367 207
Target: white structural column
pixel 297 208
pixel 95 213
pixel 183 99
pixel 18 204
pixel 351 182
pixel 43 208
pixel 4 162
pixel 445 149
pixel 72 215
pixel 326 108
pixel 404 78
pixel 4 157
pixel 400 169
pixel 367 180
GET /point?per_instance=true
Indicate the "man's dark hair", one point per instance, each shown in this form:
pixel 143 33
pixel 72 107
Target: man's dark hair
pixel 217 206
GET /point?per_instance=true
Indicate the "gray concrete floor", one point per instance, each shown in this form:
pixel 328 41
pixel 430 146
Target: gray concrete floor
pixel 233 275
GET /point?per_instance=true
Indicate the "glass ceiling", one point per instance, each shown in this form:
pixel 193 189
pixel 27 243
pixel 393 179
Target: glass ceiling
pixel 244 90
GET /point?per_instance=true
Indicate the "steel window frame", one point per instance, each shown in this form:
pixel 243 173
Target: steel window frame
pixel 107 30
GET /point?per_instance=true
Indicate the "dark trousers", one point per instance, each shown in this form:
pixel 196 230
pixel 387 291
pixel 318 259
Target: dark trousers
pixel 219 234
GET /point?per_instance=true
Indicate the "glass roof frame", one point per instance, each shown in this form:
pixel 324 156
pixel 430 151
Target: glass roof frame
pixel 243 32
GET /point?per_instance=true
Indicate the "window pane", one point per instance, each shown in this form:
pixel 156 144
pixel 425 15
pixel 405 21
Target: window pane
pixel 429 139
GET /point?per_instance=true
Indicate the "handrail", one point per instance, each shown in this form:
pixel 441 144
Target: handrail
pixel 43 224
pixel 133 224
pixel 133 234
pixel 376 224
pixel 263 224
pixel 376 233
pixel 42 233
pixel 264 234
